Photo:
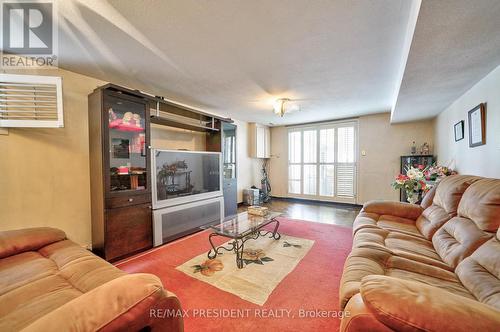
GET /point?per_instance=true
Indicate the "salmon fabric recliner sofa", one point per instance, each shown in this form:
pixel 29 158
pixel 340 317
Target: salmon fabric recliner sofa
pixel 48 283
pixel 433 267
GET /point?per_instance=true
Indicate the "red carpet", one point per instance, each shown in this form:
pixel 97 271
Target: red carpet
pixel 312 286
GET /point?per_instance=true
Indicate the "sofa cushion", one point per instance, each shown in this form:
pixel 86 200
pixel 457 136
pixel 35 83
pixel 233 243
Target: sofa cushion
pixel 399 244
pixel 389 222
pixel 34 283
pixel 82 269
pixel 481 204
pixel 450 190
pixel 457 239
pixel 370 261
pixel 34 300
pixel 30 239
pixel 445 200
pixel 430 220
pixel 480 272
pixel 398 224
pixel 479 215
pixel 404 305
pixel 123 293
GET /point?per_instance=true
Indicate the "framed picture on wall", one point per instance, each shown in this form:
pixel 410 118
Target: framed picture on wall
pixel 477 125
pixel 459 131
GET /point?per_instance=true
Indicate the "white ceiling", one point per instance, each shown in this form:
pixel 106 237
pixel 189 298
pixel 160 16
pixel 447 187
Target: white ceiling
pixel 341 58
pixel 456 43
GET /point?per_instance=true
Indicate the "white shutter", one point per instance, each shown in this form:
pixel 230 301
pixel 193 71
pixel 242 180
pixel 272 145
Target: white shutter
pixel 346 177
pixel 326 170
pixel 346 161
pixel 31 101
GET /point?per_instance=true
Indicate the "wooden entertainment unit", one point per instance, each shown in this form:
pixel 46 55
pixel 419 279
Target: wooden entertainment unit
pixel 120 164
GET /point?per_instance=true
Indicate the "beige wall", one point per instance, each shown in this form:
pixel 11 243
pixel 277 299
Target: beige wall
pixel 170 138
pixel 44 173
pixel 278 166
pixel 247 168
pixel 383 143
pixel 482 160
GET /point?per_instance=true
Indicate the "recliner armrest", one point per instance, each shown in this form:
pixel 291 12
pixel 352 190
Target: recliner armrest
pixel 397 209
pixel 409 306
pixel 124 303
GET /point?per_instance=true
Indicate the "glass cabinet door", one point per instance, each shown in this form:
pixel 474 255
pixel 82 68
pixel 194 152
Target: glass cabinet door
pixel 127 144
pixel 229 150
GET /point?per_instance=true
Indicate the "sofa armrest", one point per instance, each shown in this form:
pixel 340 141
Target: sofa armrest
pixel 29 239
pixel 409 306
pixel 124 303
pixel 357 318
pixel 397 209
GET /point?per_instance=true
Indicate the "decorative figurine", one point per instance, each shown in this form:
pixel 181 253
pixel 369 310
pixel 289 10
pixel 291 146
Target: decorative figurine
pixel 413 148
pixel 137 119
pixel 112 115
pixel 127 117
pixel 425 148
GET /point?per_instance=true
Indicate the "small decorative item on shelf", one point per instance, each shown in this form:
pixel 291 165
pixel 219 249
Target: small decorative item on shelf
pixel 413 148
pixel 258 210
pixel 413 183
pixel 129 122
pixel 123 170
pixel 112 115
pixel 134 181
pixel 425 149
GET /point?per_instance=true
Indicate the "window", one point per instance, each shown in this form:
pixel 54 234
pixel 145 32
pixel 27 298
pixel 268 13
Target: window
pixel 322 161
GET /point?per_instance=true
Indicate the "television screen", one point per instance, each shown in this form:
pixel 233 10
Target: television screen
pixel 183 174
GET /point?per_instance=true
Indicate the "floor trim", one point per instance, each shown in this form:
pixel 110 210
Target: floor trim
pixel 306 200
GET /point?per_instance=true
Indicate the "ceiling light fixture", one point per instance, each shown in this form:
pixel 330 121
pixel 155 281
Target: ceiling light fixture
pixel 284 105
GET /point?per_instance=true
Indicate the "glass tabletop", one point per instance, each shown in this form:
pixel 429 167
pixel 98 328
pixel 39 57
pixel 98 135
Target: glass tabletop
pixel 242 224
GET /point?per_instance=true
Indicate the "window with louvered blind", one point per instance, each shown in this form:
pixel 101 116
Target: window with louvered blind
pixel 322 161
pixel 31 101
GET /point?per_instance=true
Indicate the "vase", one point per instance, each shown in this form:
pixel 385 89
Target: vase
pixel 412 197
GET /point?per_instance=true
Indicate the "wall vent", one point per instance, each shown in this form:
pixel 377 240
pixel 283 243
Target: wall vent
pixel 31 101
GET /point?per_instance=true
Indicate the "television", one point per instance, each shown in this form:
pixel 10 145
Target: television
pixel 181 177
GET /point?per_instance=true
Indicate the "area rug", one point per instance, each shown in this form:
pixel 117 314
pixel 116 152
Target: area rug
pixel 305 300
pixel 267 263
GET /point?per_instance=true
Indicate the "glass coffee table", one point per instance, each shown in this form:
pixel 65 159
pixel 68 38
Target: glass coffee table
pixel 241 228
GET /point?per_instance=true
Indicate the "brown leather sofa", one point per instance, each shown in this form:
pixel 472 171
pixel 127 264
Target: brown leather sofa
pixel 433 267
pixel 48 283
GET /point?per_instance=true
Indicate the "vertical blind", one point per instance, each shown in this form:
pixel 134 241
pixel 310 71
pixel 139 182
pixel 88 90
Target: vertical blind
pixel 322 161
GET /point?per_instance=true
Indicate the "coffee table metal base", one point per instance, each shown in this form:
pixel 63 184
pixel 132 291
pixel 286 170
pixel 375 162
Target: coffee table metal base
pixel 238 243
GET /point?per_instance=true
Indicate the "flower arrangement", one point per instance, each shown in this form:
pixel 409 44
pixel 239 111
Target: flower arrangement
pixel 435 172
pixel 413 182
